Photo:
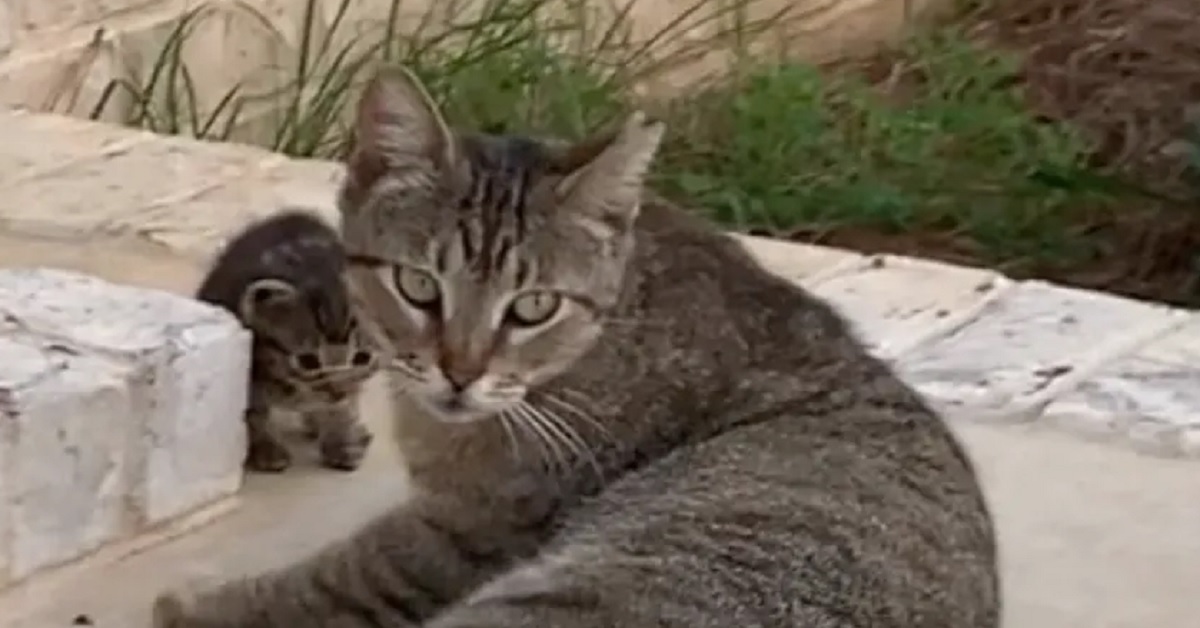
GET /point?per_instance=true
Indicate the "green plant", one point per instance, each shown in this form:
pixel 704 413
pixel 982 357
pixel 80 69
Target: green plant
pixel 783 145
pixel 773 144
pixel 557 66
pixel 165 99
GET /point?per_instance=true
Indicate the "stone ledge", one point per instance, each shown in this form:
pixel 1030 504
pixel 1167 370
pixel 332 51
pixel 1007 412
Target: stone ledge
pixel 977 343
pixel 120 414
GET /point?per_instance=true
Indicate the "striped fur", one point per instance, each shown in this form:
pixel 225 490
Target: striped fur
pixel 283 277
pixel 689 442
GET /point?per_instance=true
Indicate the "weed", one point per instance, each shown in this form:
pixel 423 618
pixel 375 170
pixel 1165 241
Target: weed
pixel 787 145
pixel 557 66
pixel 766 144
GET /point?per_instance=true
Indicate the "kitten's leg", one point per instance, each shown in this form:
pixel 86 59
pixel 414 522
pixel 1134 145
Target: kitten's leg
pixel 397 572
pixel 342 437
pixel 266 450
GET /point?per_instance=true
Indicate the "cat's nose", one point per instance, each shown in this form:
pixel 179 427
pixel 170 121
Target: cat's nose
pixel 460 371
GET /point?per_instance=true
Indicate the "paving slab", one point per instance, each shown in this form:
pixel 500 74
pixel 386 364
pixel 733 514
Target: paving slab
pixel 897 303
pixel 1150 397
pixel 1112 547
pixel 1028 345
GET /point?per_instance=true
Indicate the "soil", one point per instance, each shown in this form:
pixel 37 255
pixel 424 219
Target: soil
pixel 1126 72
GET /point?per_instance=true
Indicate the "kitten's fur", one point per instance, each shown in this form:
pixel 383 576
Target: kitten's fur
pixel 737 458
pixel 284 277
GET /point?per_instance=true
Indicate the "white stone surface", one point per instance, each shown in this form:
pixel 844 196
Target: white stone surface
pixel 1151 395
pixel 105 192
pixel 35 143
pixel 68 463
pixel 123 409
pixel 897 303
pixel 804 263
pixel 199 226
pixel 1029 345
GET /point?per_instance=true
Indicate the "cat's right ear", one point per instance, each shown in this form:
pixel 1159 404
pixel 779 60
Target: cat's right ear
pixel 398 127
pixel 261 295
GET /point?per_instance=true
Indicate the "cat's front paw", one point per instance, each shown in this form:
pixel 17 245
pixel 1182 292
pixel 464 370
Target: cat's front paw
pixel 268 456
pixel 346 451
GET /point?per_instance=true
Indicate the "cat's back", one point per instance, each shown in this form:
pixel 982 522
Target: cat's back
pixel 292 245
pixel 814 482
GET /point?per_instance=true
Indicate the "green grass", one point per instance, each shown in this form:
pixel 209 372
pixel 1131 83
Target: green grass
pixel 766 144
pixel 789 145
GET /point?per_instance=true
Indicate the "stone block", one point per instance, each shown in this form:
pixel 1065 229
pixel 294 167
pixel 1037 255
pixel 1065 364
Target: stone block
pixel 200 225
pixel 1029 345
pixel 39 18
pixel 123 409
pixel 111 192
pixel 67 464
pixel 38 143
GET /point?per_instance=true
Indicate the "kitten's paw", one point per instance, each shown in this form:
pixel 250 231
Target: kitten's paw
pixel 347 451
pixel 179 609
pixel 170 610
pixel 268 456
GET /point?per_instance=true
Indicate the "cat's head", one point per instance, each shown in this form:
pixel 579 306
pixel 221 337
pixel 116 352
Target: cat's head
pixel 488 262
pixel 307 333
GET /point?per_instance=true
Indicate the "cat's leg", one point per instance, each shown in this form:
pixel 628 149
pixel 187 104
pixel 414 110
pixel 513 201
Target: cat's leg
pixel 397 572
pixel 603 588
pixel 342 437
pixel 266 451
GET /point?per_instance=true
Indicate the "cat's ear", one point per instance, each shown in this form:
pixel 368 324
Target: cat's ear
pixel 260 296
pixel 605 174
pixel 398 127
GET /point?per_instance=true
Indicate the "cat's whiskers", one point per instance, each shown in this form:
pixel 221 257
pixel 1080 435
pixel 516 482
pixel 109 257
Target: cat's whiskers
pixel 577 446
pixel 506 421
pixel 578 412
pixel 551 449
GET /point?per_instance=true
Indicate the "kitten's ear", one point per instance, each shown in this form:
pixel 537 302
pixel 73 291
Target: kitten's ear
pixel 262 294
pixel 398 126
pixel 606 173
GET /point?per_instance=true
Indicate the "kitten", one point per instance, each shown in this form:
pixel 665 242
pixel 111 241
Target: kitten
pixel 284 278
pixel 614 417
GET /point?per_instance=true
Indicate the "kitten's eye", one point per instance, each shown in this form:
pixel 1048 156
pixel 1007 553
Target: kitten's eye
pixel 534 308
pixel 308 362
pixel 417 286
pixel 361 358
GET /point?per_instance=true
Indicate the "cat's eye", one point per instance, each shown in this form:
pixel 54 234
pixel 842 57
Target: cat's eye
pixel 417 286
pixel 534 308
pixel 308 362
pixel 361 358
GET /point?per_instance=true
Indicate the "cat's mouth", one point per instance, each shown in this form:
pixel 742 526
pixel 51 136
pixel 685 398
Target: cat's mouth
pixel 449 406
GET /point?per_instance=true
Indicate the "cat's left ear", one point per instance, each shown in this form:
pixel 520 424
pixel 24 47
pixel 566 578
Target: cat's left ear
pixel 261 296
pixel 605 174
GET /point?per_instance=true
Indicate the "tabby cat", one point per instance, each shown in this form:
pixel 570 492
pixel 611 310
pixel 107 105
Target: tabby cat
pixel 614 416
pixel 284 277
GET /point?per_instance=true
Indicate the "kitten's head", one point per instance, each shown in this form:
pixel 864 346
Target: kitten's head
pixel 489 262
pixel 307 333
